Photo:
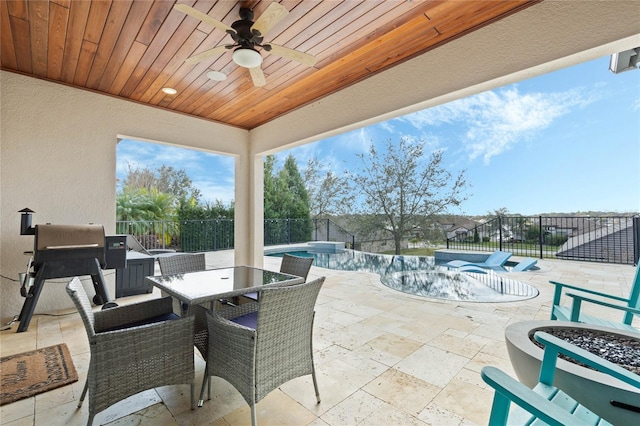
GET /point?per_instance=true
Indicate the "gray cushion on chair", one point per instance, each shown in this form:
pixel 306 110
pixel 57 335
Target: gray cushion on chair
pixel 249 320
pixel 159 318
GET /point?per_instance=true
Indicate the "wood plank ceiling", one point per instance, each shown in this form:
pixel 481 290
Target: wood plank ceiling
pixel 133 49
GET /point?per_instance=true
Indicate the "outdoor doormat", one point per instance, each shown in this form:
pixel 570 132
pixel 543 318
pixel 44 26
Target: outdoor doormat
pixel 30 373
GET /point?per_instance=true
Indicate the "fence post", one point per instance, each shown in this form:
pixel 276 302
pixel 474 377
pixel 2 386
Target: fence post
pixel 315 229
pixel 327 230
pixel 500 230
pixel 163 232
pixel 215 235
pixel 540 236
pixel 636 240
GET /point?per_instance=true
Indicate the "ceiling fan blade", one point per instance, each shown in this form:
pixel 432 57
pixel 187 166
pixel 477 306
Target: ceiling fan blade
pixel 203 17
pixel 294 55
pixel 257 76
pixel 206 54
pixel 269 18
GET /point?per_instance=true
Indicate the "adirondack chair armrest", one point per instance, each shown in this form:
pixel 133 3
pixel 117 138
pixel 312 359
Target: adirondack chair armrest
pixel 508 390
pixel 560 286
pixel 507 387
pixel 554 345
pixel 579 298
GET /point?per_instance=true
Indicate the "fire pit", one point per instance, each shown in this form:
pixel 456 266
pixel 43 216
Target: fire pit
pixel 591 388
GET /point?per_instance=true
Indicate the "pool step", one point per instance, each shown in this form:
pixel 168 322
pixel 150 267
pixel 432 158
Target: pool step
pixel 326 246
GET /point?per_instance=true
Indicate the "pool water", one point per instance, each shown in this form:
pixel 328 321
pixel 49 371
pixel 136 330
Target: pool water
pixel 420 276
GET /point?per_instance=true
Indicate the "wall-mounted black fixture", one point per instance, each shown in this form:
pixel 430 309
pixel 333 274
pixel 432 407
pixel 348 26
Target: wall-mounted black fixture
pixel 25 222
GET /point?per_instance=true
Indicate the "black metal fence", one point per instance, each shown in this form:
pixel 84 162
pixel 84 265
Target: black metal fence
pixel 217 234
pixel 611 239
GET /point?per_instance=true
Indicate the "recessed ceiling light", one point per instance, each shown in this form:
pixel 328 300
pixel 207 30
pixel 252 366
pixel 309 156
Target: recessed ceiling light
pixel 169 90
pixel 217 75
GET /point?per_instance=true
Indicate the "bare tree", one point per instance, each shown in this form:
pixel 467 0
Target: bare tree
pixel 165 180
pixel 138 178
pixel 328 192
pixel 400 189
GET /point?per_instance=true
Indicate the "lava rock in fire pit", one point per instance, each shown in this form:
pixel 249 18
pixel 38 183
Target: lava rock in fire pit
pixel 618 349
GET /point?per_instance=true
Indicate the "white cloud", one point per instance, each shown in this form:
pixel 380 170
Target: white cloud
pixel 329 159
pixel 357 141
pixel 386 125
pixel 215 190
pixel 212 174
pixel 361 139
pixel 496 120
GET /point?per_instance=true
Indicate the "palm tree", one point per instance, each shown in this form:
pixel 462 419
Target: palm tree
pixel 145 208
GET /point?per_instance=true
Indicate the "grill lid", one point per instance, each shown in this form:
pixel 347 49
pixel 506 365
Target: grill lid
pixel 57 237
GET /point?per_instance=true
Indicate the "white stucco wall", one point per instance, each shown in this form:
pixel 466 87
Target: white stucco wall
pixel 58 157
pixel 57 144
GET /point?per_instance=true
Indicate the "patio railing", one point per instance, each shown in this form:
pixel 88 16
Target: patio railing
pixel 611 239
pixel 217 234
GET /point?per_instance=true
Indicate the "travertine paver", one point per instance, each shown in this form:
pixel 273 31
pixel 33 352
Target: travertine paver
pixel 382 357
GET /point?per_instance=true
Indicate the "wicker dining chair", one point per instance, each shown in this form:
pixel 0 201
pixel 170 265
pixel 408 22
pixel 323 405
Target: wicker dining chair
pixel 292 265
pixel 181 264
pixel 296 265
pixel 133 348
pixel 258 346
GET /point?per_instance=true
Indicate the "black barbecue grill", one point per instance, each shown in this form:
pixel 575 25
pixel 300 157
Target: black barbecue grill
pixel 62 251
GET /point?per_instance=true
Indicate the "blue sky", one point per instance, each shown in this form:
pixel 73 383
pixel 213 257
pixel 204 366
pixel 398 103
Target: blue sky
pixel 563 142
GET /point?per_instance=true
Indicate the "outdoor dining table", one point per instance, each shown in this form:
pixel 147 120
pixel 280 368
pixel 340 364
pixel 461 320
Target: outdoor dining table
pixel 203 287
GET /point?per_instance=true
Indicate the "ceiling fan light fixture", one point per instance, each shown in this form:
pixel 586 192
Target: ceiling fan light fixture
pixel 247 57
pixel 216 75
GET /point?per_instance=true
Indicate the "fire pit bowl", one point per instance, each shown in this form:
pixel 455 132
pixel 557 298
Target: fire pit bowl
pixel 591 388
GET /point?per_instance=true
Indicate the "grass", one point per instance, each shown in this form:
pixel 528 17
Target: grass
pixel 426 251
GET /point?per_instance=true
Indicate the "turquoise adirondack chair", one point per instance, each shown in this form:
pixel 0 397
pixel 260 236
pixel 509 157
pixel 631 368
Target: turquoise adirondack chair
pixel 545 402
pixel 630 306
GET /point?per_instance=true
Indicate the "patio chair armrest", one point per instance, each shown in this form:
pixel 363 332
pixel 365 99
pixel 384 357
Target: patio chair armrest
pixel 127 314
pixel 560 286
pixel 554 345
pixel 159 337
pixel 232 353
pixel 220 323
pixel 228 341
pixel 129 361
pixel 579 298
pixel 508 389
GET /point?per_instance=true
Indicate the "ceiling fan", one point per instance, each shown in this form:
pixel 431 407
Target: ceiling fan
pixel 247 36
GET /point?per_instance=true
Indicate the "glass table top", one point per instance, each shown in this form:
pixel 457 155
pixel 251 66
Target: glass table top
pixel 203 286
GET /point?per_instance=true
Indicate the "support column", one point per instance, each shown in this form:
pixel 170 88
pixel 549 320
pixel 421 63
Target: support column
pixel 249 210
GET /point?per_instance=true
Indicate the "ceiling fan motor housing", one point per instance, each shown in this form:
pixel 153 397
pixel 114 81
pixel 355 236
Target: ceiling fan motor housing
pixel 243 35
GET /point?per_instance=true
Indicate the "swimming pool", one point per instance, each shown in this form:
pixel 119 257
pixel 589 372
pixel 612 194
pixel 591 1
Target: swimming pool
pixel 421 276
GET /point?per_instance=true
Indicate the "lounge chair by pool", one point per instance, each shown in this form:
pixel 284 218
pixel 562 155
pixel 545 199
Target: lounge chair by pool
pixel 524 265
pixel 135 245
pixel 496 260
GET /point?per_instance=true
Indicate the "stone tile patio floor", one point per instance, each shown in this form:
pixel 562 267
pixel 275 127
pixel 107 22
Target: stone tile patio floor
pixel 382 357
